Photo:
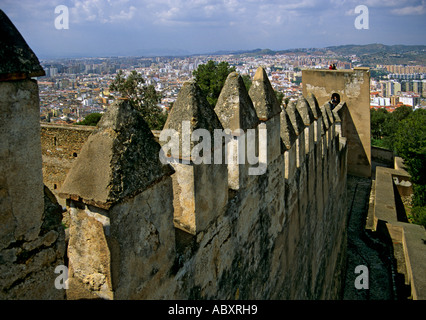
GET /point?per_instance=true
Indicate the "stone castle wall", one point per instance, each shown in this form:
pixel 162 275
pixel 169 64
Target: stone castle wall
pixel 212 231
pixel 353 87
pixel 60 146
pixel 32 240
pixel 144 228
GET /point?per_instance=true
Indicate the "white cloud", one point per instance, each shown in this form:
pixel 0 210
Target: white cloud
pixel 411 10
pixel 218 24
pixel 123 15
pixel 103 11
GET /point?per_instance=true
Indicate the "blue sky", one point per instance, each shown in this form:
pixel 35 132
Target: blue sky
pixel 141 27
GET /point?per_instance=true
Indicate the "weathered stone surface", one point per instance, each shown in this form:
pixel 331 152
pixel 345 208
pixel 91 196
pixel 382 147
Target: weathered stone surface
pixel 119 160
pixel 27 268
pixel 295 118
pixel 305 111
pixel 89 255
pixel 313 104
pixel 263 96
pixel 195 202
pixel 234 106
pixel 236 112
pixel 32 240
pixel 326 123
pixel 193 109
pixel 288 135
pixel 21 181
pixel 60 147
pixel 142 244
pixel 338 112
pixel 17 61
pixel 330 115
pixel 353 86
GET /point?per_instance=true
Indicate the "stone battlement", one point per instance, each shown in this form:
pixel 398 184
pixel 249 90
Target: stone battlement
pixel 142 229
pixel 147 222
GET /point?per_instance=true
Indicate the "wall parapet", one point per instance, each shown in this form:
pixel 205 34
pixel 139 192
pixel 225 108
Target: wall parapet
pixel 196 234
pixel 411 236
pixel 280 235
pixel 353 87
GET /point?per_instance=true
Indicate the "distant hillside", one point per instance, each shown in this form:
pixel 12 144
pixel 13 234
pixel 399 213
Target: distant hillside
pixel 370 54
pixel 376 53
pixel 375 48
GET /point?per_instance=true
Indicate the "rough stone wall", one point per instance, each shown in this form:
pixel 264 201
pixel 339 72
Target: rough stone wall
pixel 353 86
pixel 60 146
pixel 281 235
pixel 31 236
pixel 395 230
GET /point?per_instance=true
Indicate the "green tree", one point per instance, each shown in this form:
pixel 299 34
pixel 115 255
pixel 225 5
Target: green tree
pixel 91 119
pixel 247 81
pixel 143 97
pixel 378 119
pixel 410 144
pixel 384 125
pixel 211 77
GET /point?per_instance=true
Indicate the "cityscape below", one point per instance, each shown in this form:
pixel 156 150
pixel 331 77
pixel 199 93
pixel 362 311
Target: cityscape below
pixel 74 88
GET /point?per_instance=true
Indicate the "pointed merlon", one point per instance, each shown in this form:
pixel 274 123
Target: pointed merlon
pixel 329 112
pixel 313 103
pixel 263 96
pixel 305 111
pixel 17 60
pixel 192 108
pixel 287 133
pixel 119 160
pixel 295 118
pixel 338 111
pixel 325 120
pixel 234 106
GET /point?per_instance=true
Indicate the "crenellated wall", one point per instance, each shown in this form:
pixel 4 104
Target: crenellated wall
pixel 151 227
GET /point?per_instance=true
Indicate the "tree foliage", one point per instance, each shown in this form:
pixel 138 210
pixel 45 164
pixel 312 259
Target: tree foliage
pixel 404 132
pixel 384 125
pixel 410 144
pixel 211 77
pixel 91 119
pixel 143 97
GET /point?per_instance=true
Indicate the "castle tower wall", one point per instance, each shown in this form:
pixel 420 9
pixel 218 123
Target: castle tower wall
pixel 31 237
pixel 353 86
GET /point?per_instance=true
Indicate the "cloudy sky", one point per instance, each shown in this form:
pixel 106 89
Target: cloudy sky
pixel 141 27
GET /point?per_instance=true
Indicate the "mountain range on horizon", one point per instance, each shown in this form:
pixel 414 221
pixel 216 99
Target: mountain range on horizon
pixel 368 54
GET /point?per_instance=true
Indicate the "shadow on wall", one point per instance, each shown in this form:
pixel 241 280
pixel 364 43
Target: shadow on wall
pixel 357 157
